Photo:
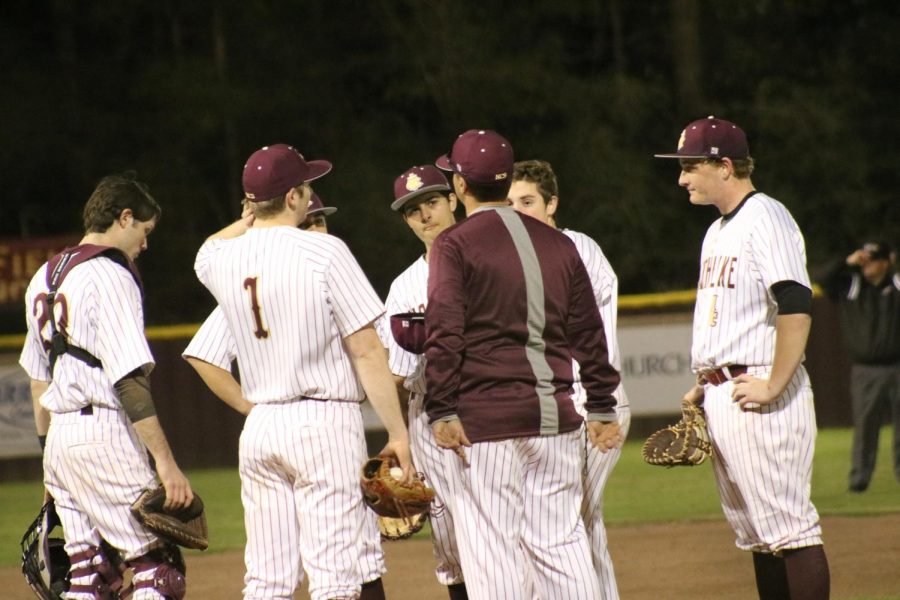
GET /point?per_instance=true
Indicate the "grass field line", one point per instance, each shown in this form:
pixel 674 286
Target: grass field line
pixel 636 494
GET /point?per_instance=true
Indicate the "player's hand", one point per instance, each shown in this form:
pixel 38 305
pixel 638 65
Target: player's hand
pixel 858 258
pixel 451 436
pixel 247 214
pixel 399 448
pixel 178 490
pixel 604 436
pixel 748 389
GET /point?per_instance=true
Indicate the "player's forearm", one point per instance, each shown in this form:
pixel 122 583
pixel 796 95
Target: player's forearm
pixel 370 362
pixel 791 334
pixel 41 414
pixel 234 230
pixel 378 383
pixel 151 433
pixel 221 383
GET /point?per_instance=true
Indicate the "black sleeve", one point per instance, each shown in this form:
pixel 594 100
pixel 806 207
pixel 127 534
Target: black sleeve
pixel 792 297
pixel 134 394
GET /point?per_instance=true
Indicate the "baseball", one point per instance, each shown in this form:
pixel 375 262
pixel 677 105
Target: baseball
pixel 396 472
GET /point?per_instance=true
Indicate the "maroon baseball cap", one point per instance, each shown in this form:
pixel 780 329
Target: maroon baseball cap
pixel 408 330
pixel 273 170
pixel 316 207
pixel 480 156
pixel 417 181
pixel 711 138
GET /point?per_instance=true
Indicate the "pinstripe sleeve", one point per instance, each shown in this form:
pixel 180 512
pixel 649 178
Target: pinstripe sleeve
pixel 202 261
pixel 33 359
pixel 122 345
pixel 353 301
pixel 778 248
pixel 213 342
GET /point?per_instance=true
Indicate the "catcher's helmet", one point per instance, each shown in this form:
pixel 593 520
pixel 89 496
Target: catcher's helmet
pixel 44 559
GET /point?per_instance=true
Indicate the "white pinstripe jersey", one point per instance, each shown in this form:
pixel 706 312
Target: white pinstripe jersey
pixel 606 292
pixel 99 306
pixel 290 297
pixel 213 342
pixel 408 293
pixel 734 317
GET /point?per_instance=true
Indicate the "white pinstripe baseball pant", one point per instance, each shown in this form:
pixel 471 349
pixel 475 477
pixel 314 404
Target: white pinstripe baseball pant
pixel 517 515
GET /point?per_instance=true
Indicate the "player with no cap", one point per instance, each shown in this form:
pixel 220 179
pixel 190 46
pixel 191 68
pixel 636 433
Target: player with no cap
pixel 535 192
pixel 301 312
pixel 502 331
pixel 89 361
pixel 751 323
pixel 423 198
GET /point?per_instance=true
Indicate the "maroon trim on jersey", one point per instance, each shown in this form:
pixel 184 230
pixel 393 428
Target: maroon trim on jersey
pixel 60 265
pixel 477 367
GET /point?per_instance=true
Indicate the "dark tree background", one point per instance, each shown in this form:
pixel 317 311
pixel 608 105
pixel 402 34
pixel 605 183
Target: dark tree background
pixel 183 91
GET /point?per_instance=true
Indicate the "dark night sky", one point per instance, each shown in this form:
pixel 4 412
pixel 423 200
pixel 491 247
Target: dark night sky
pixel 183 92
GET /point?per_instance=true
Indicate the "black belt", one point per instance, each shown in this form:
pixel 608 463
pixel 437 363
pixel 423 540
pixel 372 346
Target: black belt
pixel 87 410
pixel 721 375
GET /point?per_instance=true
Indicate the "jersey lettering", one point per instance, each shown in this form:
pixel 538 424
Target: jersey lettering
pixel 41 311
pixel 718 271
pixel 250 285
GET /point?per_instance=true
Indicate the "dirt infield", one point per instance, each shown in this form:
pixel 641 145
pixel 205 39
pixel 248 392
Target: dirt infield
pixel 672 561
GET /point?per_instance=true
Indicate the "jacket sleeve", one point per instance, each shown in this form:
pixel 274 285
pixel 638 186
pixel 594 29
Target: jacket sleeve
pixel 444 328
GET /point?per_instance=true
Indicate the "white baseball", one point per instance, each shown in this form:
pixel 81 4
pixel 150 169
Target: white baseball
pixel 396 472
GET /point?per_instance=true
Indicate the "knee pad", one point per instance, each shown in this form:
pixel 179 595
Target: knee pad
pixel 162 570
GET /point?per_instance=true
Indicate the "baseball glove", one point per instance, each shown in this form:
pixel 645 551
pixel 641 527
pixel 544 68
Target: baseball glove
pixel 684 444
pixel 185 527
pixel 402 508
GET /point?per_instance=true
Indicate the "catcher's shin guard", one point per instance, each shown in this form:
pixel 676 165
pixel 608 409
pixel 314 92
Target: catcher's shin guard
pixel 98 572
pixel 163 570
pixel 45 563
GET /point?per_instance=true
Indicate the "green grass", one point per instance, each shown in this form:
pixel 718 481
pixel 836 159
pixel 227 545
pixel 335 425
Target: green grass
pixel 636 493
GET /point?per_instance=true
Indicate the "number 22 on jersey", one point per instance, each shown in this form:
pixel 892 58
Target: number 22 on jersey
pixel 250 285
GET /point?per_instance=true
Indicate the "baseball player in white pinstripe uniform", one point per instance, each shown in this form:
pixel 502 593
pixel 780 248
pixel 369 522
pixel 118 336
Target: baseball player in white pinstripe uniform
pixel 301 312
pixel 422 196
pixel 751 323
pixel 88 361
pixel 535 192
pixel 211 353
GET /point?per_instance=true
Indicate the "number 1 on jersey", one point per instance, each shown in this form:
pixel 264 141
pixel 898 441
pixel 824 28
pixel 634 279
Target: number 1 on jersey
pixel 250 285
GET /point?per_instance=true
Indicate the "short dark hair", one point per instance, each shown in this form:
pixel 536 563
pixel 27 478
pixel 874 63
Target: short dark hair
pixel 488 192
pixel 539 172
pixel 743 167
pixel 114 194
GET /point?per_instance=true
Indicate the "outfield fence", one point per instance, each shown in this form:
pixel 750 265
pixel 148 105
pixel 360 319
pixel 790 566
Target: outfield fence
pixel 654 337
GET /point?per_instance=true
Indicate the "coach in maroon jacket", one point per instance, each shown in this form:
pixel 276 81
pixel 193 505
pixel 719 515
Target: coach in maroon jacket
pixel 502 330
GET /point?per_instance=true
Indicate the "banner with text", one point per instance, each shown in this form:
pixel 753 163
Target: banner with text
pixel 19 259
pixel 17 434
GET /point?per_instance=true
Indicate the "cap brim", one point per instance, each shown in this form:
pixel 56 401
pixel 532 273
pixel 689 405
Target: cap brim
pixel 324 211
pixel 399 202
pixel 443 162
pixel 676 155
pixel 317 168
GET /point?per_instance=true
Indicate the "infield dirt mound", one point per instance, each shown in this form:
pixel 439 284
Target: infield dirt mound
pixel 672 561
